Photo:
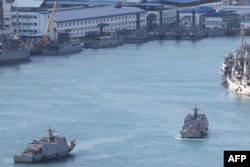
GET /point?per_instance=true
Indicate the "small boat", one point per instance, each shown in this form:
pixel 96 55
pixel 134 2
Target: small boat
pixel 48 147
pixel 195 125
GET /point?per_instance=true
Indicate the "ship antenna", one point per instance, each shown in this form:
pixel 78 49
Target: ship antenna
pixel 195 112
pixel 50 132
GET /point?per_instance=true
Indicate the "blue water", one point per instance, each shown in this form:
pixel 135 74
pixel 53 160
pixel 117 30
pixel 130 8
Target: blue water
pixel 125 106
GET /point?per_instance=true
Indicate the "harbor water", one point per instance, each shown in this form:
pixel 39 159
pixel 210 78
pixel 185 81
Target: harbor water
pixel 125 106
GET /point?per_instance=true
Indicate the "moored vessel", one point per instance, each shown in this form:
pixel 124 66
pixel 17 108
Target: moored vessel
pixel 12 50
pixel 48 147
pixel 235 69
pixel 195 125
pixel 56 48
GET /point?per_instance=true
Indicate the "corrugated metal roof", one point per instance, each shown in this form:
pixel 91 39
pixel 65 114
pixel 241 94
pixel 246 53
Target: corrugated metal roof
pixel 182 1
pixel 28 3
pixel 82 2
pixel 202 9
pixel 219 13
pixel 91 13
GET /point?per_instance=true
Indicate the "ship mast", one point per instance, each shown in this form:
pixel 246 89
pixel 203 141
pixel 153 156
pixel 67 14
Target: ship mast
pixel 246 64
pixel 195 112
pixel 242 36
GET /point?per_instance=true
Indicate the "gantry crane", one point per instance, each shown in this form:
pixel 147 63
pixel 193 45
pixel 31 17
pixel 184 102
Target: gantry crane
pixel 46 31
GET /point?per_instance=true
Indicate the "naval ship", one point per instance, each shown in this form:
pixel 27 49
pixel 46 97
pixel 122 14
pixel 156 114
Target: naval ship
pixel 55 48
pixel 195 125
pixel 235 68
pixel 63 45
pixel 12 50
pixel 48 147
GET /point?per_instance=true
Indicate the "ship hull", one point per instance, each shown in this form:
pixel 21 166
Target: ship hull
pixel 237 87
pixel 31 158
pixel 14 56
pixel 61 49
pixel 192 134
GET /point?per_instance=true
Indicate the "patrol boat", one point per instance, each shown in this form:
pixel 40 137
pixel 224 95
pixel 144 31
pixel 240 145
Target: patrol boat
pixel 48 147
pixel 195 125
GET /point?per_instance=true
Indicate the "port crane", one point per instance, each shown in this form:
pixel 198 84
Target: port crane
pixel 45 38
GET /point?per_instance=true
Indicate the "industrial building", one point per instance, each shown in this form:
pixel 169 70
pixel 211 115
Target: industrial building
pixel 80 20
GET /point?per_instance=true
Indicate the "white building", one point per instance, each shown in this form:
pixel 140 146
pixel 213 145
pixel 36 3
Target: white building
pixel 27 18
pixel 79 20
pixel 221 20
pixel 193 17
pixel 246 25
pixel 234 2
pixel 30 19
pixel 6 18
pixel 159 15
pixel 168 16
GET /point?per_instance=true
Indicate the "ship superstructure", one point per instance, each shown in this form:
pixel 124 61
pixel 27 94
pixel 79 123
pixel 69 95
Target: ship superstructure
pixel 195 125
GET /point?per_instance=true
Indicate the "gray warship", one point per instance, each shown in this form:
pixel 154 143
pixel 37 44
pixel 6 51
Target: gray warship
pixel 48 147
pixel 195 125
pixel 55 48
pixel 63 45
pixel 12 50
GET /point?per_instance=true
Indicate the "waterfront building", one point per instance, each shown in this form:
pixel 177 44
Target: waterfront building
pixel 214 5
pixel 221 20
pixel 242 8
pixel 158 14
pixel 193 17
pixel 1 15
pixel 187 3
pixel 78 21
pixel 237 7
pixel 25 19
pixel 234 2
pixel 5 18
pixel 246 25
pixel 163 17
pixel 29 19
